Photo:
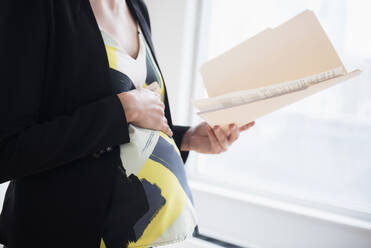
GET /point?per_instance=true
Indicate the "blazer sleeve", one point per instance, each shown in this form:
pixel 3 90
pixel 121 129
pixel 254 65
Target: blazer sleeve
pixel 179 132
pixel 27 146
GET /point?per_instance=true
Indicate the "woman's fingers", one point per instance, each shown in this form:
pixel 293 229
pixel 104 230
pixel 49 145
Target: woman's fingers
pixel 222 137
pixel 160 110
pixel 148 111
pixel 247 126
pixel 153 86
pixel 215 146
pixel 234 133
pixel 167 130
pixel 220 140
pixel 165 127
pixel 162 106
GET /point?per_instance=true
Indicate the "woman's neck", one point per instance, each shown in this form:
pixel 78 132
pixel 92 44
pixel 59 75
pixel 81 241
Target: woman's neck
pixel 114 17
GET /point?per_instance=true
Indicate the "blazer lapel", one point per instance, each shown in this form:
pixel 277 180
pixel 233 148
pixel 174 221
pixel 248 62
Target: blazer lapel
pixel 137 13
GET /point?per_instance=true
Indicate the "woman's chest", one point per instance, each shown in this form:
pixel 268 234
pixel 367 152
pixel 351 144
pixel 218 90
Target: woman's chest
pixel 134 73
pixel 125 32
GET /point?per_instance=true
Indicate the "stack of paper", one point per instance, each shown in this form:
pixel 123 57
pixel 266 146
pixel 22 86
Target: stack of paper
pixel 271 70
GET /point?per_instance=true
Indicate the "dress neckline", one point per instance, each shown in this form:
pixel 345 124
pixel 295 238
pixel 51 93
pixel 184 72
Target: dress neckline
pixel 113 42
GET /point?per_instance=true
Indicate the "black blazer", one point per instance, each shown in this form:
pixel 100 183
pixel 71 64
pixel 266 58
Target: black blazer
pixel 58 109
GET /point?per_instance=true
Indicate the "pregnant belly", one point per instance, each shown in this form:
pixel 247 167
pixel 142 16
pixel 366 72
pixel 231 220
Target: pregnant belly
pixel 153 157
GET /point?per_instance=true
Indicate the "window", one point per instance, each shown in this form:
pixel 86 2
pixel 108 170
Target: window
pixel 315 152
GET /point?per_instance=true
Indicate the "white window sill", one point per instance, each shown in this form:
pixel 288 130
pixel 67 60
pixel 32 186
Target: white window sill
pixel 254 221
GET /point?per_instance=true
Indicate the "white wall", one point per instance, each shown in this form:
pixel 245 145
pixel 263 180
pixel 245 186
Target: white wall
pixel 173 31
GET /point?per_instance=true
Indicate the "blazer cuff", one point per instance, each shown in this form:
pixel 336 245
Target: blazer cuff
pixel 179 132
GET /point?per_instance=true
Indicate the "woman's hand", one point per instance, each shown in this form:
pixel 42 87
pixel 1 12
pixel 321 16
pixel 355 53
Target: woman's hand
pixel 205 139
pixel 143 107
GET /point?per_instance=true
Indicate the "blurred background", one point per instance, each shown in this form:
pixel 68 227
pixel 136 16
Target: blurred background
pixel 301 177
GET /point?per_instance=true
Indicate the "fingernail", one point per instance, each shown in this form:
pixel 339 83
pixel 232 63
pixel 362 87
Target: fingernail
pixel 209 130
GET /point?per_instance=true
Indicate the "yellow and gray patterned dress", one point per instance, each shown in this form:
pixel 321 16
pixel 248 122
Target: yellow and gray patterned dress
pixel 152 204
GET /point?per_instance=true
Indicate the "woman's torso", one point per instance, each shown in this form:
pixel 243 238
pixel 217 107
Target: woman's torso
pixel 152 161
